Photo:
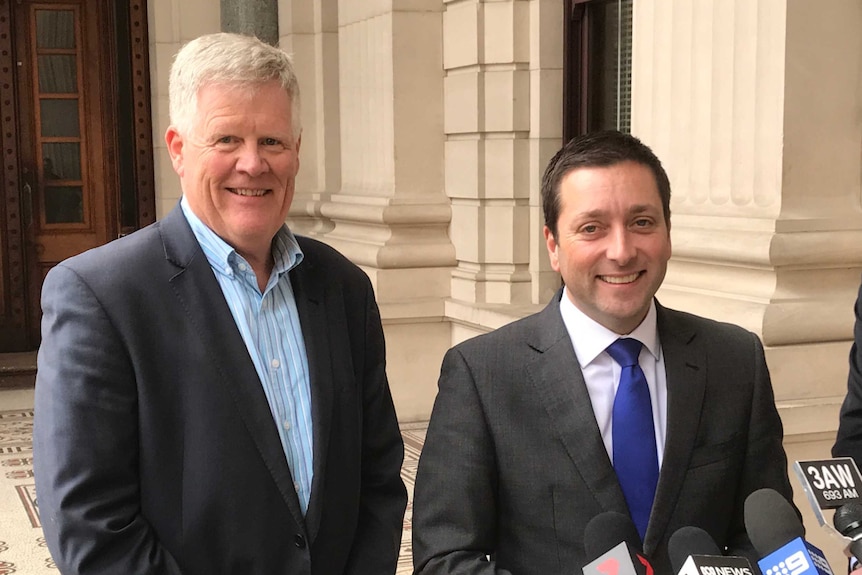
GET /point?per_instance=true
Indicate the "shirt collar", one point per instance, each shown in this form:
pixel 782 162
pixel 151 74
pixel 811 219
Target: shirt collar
pixel 590 338
pixel 222 257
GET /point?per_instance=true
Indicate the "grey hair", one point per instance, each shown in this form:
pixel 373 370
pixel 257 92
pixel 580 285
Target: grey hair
pixel 233 60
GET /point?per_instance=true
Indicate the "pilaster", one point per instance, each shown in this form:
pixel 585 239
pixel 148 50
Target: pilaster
pixel 390 214
pixel 487 95
pixel 171 23
pixel 309 32
pixel 757 122
pixel 546 131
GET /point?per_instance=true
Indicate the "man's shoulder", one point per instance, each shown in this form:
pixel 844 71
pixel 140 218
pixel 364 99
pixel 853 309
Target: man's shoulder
pixel 537 329
pixel 327 260
pixel 717 331
pixel 319 250
pixel 123 255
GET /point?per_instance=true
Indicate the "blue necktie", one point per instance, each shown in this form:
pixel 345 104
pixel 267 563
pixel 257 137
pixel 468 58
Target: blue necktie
pixel 635 457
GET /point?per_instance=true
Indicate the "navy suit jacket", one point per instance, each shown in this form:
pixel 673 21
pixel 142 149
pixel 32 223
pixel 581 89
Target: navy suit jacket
pixel 514 466
pixel 155 449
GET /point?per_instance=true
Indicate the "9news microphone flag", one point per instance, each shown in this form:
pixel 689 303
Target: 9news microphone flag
pixel 777 533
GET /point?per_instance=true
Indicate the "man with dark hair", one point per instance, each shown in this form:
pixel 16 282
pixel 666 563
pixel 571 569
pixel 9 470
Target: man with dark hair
pixel 603 401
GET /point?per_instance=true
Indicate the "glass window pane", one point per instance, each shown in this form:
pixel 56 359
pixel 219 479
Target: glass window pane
pixel 58 74
pixel 60 118
pixel 610 66
pixel 64 204
pixel 55 29
pixel 61 161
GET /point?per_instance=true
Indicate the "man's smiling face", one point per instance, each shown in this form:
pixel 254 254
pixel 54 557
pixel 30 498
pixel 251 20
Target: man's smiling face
pixel 238 165
pixel 612 244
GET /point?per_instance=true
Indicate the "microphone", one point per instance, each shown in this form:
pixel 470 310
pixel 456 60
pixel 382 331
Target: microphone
pixel 692 551
pixel 829 483
pixel 848 522
pixel 834 484
pixel 777 533
pixel 688 541
pixel 613 541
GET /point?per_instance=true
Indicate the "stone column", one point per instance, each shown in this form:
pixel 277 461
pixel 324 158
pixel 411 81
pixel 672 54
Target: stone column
pixel 391 216
pixel 487 89
pixel 546 131
pixel 753 105
pixel 503 63
pixel 309 32
pixel 253 17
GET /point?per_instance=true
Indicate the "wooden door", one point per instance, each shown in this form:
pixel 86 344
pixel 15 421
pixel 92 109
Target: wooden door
pixel 71 147
pixel 62 156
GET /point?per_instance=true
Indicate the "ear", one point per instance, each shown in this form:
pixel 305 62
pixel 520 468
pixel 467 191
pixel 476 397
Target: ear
pixel 551 244
pixel 174 140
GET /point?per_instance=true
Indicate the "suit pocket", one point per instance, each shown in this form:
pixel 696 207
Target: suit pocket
pixel 713 452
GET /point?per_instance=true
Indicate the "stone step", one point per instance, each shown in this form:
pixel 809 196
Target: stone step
pixel 18 370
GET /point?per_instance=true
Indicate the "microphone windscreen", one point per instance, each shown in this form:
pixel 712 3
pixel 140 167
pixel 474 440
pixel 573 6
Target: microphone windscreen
pixel 606 530
pixel 687 541
pixel 848 519
pixel 770 520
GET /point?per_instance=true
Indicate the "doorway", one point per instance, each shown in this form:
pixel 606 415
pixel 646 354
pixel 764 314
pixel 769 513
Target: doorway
pixel 75 127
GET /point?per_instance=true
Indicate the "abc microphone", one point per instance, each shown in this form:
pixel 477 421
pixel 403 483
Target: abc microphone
pixel 776 532
pixel 693 551
pixel 613 540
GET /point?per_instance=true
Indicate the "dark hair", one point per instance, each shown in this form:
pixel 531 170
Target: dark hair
pixel 599 149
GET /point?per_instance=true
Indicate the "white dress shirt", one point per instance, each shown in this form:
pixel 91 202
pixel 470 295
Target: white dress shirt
pixel 602 374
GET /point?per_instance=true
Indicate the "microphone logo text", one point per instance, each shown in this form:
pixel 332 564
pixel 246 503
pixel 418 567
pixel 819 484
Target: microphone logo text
pixel 711 570
pixel 793 565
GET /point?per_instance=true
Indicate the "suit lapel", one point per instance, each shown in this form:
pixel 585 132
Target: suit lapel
pixel 310 292
pixel 200 295
pixel 685 368
pixel 556 376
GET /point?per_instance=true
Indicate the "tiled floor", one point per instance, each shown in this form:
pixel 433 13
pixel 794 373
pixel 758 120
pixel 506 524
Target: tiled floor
pixel 22 548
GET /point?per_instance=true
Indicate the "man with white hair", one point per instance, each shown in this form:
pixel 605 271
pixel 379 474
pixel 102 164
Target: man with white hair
pixel 211 393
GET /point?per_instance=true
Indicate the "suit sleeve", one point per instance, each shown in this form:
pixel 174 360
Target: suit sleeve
pixel 383 496
pixel 455 502
pixel 849 440
pixel 85 439
pixel 765 463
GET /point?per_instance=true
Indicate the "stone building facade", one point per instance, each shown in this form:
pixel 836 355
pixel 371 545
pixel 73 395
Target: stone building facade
pixel 427 125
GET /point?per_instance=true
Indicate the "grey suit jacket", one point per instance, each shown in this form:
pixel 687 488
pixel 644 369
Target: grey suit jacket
pixel 155 449
pixel 514 466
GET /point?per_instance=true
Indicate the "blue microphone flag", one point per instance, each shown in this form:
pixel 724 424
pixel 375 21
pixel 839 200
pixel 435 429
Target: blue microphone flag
pixel 798 557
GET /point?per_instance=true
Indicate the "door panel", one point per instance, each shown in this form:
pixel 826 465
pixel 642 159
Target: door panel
pixel 63 152
pixel 74 123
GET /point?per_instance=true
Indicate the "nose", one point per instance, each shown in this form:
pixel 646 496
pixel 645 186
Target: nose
pixel 251 161
pixel 621 246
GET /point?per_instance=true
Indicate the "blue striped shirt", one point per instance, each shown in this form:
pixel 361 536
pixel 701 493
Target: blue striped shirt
pixel 269 325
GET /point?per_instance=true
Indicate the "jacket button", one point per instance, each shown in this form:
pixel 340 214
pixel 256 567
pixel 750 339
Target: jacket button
pixel 299 541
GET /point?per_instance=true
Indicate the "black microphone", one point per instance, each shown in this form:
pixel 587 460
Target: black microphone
pixel 612 545
pixel 693 551
pixel 848 522
pixel 777 534
pixel 688 541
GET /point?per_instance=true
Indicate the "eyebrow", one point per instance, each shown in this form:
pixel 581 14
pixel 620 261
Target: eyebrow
pixel 633 210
